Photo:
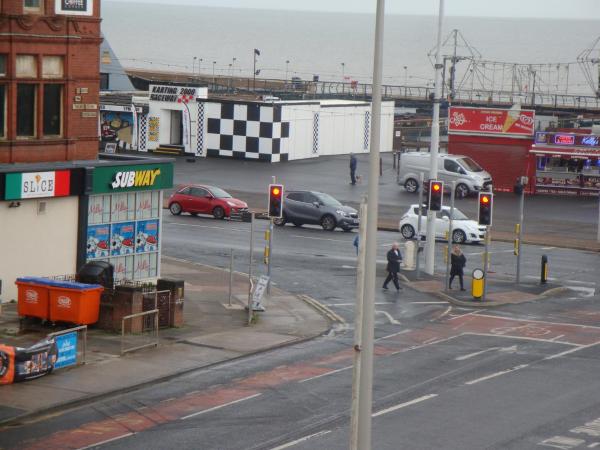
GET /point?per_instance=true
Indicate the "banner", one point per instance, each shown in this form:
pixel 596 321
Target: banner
pixel 66 345
pixel 7 364
pixel 509 122
pixel 35 361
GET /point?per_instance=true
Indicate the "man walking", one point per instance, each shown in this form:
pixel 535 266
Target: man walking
pixel 393 266
pixel 353 164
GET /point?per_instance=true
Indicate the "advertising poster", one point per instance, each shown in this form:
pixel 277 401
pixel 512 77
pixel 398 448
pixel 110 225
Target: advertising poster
pixel 66 345
pixel 75 7
pixel 7 364
pixel 117 126
pixel 98 237
pixel 153 129
pixel 123 267
pixel 146 266
pixel 122 239
pixel 35 361
pixel 515 122
pixel 147 236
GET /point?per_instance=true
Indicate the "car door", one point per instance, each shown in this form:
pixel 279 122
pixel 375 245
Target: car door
pixel 442 223
pixel 415 220
pixel 451 171
pixel 200 201
pixel 184 198
pixel 311 211
pixel 291 206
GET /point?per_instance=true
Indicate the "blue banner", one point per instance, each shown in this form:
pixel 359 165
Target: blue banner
pixel 67 350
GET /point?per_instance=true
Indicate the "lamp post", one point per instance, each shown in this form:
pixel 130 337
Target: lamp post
pixel 287 65
pixel 200 65
pixel 194 65
pixel 230 77
pixel 214 79
pixel 405 75
pixel 343 71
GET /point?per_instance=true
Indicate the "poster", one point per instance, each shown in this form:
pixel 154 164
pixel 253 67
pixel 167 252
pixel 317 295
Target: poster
pixel 515 122
pixel 146 266
pixel 147 236
pixel 35 361
pixel 123 267
pixel 153 129
pixel 98 237
pixel 122 239
pixel 117 126
pixel 66 345
pixel 122 207
pixel 7 364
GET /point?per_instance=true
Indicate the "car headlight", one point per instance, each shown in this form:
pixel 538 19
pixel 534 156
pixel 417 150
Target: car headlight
pixel 342 213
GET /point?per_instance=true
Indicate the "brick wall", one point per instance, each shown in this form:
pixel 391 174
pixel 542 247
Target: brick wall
pixel 77 40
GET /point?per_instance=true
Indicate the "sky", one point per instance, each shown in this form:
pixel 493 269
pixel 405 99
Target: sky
pixel 579 9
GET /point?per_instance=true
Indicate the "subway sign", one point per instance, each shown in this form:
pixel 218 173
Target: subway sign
pixel 139 177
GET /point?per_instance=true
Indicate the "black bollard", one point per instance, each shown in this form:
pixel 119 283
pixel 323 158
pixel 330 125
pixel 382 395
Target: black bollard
pixel 544 274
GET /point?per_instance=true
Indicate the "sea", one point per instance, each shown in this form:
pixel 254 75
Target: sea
pixel 339 46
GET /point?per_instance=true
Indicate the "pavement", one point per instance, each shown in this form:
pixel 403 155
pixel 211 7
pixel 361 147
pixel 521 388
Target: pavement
pixel 213 332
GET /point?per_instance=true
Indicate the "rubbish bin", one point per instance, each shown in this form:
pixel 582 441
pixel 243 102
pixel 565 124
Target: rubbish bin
pixel 33 298
pixel 97 272
pixel 74 302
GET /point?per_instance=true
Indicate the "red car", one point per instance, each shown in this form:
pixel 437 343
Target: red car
pixel 197 199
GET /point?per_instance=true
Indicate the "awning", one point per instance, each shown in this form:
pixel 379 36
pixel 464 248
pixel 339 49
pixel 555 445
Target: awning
pixel 566 151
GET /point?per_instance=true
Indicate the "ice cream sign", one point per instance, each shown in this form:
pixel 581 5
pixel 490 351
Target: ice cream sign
pixel 511 122
pixel 37 185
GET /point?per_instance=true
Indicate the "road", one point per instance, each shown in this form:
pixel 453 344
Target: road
pixel 522 376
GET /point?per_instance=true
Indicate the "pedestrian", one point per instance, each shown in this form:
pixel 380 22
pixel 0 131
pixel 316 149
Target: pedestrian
pixel 353 164
pixel 355 243
pixel 393 266
pixel 457 263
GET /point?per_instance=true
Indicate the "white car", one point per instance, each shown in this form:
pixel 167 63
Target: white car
pixel 464 229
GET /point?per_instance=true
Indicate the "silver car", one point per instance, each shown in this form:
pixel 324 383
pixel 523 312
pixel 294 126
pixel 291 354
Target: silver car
pixel 317 208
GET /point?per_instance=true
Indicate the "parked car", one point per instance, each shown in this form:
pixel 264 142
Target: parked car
pixel 311 207
pixel 463 228
pixel 197 199
pixel 469 176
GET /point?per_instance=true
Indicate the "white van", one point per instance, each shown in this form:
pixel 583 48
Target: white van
pixel 469 176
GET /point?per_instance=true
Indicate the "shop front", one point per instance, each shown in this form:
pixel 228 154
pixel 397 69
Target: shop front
pixel 566 164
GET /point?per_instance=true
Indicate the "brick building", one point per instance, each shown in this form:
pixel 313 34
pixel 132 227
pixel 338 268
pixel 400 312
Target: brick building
pixel 49 80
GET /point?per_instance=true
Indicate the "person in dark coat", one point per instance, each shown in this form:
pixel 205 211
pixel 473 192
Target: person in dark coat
pixel 353 164
pixel 457 264
pixel 394 257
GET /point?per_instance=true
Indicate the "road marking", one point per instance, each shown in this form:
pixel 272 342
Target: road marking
pixel 590 428
pixel 557 337
pixel 220 406
pixel 428 303
pixel 353 304
pixel 497 374
pixel 562 442
pixel 319 239
pixel 325 374
pixel 512 349
pixel 586 292
pixel 572 350
pixel 206 226
pixel 594 445
pixel 98 444
pixel 491 253
pixel 464 315
pixel 303 439
pixel 526 338
pixel 404 405
pixel 548 248
pixel 389 317
pixel 538 321
pixel 393 335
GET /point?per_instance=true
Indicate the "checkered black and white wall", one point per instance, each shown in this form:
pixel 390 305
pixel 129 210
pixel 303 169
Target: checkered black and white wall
pixel 246 131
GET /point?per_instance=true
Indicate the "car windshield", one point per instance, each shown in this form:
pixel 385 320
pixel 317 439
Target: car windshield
pixel 328 200
pixel 457 215
pixel 219 193
pixel 471 165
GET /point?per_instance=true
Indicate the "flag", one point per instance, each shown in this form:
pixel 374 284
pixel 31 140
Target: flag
pixel 257 52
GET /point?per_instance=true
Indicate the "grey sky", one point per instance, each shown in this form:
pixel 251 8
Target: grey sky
pixel 583 9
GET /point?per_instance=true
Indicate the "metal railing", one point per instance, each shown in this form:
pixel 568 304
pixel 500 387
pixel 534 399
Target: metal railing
pixel 81 329
pixel 152 343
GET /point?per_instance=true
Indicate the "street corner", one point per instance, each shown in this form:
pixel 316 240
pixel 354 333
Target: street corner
pixel 334 320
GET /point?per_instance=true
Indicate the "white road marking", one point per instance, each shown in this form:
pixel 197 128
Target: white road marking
pixel 464 315
pixel 556 338
pixel 594 445
pixel 404 405
pixel 572 350
pixel 445 313
pixel 526 338
pixel 548 248
pixel 303 439
pixel 212 227
pixel 428 303
pixel 325 374
pixel 389 317
pixel 472 355
pixel 320 239
pixel 352 304
pixel 562 442
pixel 497 374
pixel 590 428
pixel 220 406
pixel 491 253
pixel 540 321
pixel 97 444
pixel 586 292
pixel 393 335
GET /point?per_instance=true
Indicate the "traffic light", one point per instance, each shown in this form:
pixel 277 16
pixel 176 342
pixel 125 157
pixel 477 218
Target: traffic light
pixel 275 200
pixel 486 206
pixel 436 191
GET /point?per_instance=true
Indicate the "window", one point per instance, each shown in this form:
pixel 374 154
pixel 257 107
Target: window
pixel 451 166
pixel 26 66
pixel 198 192
pixel 32 5
pixel 104 81
pixel 52 67
pixel 52 109
pixel 2 111
pixel 26 98
pixel 2 65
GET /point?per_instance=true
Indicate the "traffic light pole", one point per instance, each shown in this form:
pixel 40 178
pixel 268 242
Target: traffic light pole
pixel 270 244
pixel 520 233
pixel 418 264
pixel 250 269
pixel 486 256
pixel 435 143
pixel 450 236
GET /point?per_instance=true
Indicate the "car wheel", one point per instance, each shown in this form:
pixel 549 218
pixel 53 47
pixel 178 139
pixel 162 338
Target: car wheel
pixel 411 185
pixel 328 223
pixel 459 236
pixel 297 224
pixel 175 208
pixel 218 213
pixel 280 221
pixel 407 231
pixel 462 190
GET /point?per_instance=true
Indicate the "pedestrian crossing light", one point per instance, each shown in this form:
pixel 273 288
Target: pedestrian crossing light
pixel 486 205
pixel 275 201
pixel 436 191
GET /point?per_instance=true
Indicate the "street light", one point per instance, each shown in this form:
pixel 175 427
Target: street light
pixel 343 71
pixel 214 79
pixel 287 64
pixel 405 75
pixel 200 65
pixel 194 64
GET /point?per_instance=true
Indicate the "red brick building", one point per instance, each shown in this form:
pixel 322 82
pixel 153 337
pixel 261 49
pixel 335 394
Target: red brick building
pixel 49 80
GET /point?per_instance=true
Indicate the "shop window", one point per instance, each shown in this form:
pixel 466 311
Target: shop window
pixel 2 111
pixel 123 207
pixel 26 99
pixel 52 67
pixel 52 109
pixel 26 66
pixel 32 6
pixel 2 65
pixel 104 81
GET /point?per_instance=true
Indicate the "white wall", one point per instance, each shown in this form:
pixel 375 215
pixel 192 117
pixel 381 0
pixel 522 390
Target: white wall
pixel 37 244
pixel 300 143
pixel 387 126
pixel 342 129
